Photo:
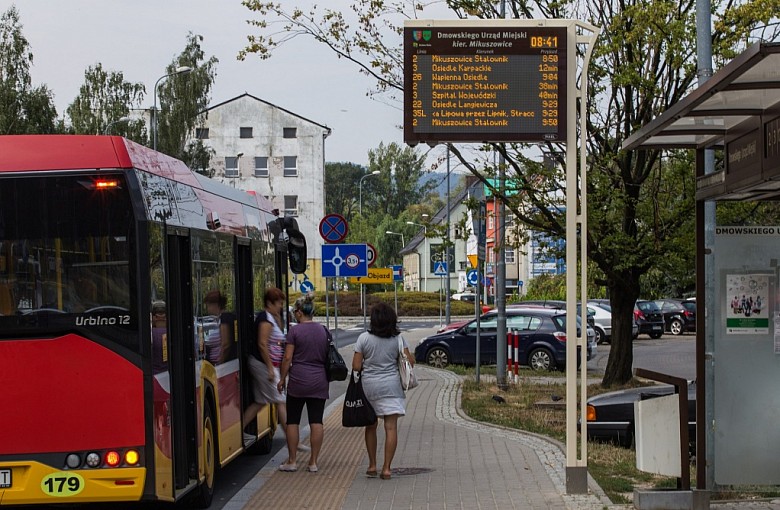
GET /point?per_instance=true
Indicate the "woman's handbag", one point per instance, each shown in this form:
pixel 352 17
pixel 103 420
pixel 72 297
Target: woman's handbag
pixel 335 367
pixel 408 379
pixel 357 411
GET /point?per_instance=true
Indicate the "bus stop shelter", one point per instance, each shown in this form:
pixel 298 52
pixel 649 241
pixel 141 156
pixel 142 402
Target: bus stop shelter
pixel 737 111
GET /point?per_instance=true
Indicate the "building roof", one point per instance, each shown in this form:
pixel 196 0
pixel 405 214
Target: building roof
pixel 246 94
pixel 441 216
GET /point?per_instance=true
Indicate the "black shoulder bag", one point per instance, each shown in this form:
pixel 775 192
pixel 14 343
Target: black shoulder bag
pixel 335 367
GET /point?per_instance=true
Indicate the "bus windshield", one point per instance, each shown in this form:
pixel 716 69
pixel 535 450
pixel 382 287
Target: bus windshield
pixel 66 245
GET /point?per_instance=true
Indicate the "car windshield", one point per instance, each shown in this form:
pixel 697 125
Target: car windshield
pixel 603 306
pixel 647 306
pixel 689 305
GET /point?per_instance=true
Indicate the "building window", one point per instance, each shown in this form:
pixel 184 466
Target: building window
pixel 490 222
pixel 246 132
pixel 290 133
pixel 231 166
pixel 261 167
pixel 509 255
pixel 291 166
pixel 202 133
pixel 291 205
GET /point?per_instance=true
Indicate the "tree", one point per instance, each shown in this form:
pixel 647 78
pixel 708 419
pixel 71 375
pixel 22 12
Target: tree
pixel 24 109
pixel 397 187
pixel 183 99
pixel 341 180
pixel 643 63
pixel 104 98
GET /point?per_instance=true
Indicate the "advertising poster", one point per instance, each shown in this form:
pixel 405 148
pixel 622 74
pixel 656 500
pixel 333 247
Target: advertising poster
pixel 748 300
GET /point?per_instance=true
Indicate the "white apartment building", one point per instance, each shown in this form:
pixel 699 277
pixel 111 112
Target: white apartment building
pixel 274 152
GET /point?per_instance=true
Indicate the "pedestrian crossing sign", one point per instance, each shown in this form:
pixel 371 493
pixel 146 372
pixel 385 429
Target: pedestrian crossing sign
pixel 440 268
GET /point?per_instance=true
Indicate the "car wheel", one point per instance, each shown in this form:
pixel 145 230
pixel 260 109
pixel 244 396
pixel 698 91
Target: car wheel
pixel 600 336
pixel 438 357
pixel 655 336
pixel 676 327
pixel 541 359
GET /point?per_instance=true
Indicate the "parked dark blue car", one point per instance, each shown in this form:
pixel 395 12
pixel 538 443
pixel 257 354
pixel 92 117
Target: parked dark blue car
pixel 542 340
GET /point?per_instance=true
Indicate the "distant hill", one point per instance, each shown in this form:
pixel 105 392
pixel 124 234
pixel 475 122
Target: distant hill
pixel 439 178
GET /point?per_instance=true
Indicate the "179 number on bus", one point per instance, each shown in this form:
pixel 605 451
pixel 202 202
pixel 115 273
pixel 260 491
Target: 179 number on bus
pixel 62 484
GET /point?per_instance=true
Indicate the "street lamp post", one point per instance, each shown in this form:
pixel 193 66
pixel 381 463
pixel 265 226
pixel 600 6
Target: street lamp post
pixel 423 268
pixel 395 284
pixel 107 130
pixel 360 188
pixel 238 168
pixel 397 234
pixel 179 70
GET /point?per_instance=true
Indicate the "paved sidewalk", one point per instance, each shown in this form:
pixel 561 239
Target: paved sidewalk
pixel 444 460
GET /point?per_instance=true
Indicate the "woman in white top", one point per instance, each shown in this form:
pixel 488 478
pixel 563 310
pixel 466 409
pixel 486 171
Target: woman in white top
pixel 376 356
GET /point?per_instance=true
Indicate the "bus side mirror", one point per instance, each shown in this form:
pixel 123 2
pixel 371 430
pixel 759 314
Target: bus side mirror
pixel 296 251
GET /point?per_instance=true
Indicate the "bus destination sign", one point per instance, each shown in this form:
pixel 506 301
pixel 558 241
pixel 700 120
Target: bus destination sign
pixel 484 84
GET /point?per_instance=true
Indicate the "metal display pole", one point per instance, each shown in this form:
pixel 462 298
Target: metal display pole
pixel 576 220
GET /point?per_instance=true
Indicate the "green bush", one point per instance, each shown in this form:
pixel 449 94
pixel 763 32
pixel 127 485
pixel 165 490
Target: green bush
pixel 410 304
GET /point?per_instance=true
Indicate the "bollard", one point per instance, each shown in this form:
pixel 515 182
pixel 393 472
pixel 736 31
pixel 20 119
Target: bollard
pixel 509 344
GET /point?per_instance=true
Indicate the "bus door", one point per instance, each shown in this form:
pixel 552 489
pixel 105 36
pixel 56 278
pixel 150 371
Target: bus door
pixel 245 312
pixel 182 358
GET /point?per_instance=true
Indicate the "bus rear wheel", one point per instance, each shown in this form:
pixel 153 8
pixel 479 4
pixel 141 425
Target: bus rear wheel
pixel 206 490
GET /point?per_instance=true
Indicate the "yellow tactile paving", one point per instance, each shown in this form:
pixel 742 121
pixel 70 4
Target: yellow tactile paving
pixel 342 451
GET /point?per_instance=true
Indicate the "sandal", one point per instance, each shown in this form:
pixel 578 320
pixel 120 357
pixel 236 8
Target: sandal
pixel 384 476
pixel 288 468
pixel 371 473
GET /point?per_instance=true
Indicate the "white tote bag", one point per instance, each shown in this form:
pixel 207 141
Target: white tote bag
pixel 408 379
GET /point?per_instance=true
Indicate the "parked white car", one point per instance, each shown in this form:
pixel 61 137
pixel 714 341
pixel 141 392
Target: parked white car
pixel 602 317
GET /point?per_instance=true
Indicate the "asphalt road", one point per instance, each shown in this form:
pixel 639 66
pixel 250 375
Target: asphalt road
pixel 673 355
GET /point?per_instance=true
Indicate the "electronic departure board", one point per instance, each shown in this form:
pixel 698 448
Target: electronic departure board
pixel 484 84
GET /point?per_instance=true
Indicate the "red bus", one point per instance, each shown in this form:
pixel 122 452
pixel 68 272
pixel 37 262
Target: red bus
pixel 118 383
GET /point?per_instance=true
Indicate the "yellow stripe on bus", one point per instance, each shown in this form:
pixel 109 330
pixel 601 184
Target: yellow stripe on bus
pixel 30 482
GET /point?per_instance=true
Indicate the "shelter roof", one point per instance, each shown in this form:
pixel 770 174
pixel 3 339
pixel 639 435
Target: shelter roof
pixel 745 88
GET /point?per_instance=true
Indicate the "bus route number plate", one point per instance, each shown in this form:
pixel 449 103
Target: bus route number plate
pixel 5 478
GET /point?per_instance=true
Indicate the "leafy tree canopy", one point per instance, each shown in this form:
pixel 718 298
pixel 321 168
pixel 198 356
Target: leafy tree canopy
pixel 24 109
pixel 104 99
pixel 183 97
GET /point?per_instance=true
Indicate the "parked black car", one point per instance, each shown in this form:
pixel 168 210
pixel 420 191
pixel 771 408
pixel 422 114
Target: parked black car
pixel 649 318
pixel 542 340
pixel 679 315
pixel 611 415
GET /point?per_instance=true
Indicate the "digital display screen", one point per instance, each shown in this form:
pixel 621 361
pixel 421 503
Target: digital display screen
pixel 484 84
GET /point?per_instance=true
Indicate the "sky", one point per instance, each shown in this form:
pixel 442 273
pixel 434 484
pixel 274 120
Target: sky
pixel 141 37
